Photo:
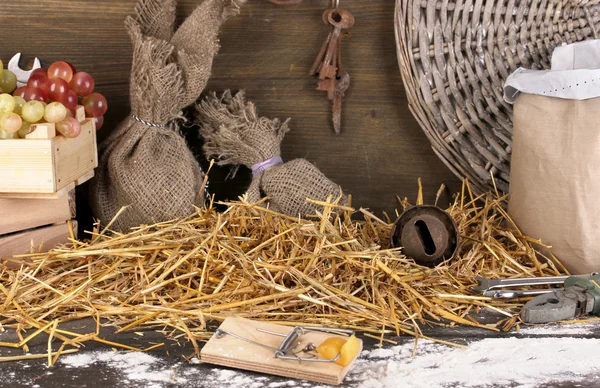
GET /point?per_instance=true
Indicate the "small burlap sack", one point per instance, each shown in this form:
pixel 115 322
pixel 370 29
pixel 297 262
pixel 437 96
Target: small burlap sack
pixel 234 134
pixel 146 164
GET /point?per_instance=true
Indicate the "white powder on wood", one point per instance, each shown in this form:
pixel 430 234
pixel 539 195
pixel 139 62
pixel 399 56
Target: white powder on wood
pixel 135 366
pixel 515 362
pixel 561 330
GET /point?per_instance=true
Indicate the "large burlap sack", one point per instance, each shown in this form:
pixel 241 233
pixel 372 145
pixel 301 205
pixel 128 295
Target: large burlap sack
pixel 555 175
pixel 235 135
pixel 146 164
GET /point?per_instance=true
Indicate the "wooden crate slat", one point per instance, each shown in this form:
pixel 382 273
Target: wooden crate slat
pixel 47 168
pixel 26 166
pixel 74 157
pixel 36 240
pixel 19 214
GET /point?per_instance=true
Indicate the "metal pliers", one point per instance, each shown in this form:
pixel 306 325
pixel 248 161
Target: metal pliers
pixel 580 296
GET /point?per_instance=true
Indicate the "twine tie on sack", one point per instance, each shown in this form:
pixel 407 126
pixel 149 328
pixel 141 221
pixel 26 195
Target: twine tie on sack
pixel 149 124
pixel 261 167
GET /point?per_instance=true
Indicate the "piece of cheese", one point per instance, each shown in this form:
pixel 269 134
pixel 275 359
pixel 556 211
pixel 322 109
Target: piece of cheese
pixel 331 347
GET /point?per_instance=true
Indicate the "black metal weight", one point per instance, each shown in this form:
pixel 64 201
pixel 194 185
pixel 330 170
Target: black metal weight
pixel 427 234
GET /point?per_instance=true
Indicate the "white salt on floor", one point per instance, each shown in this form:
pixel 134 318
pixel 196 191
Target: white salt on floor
pixel 134 366
pixel 514 362
pixel 520 362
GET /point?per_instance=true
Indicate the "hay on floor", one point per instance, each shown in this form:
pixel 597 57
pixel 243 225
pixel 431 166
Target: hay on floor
pixel 252 262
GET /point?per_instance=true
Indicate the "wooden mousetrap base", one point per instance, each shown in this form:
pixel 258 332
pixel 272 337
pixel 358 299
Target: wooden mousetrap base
pixel 236 353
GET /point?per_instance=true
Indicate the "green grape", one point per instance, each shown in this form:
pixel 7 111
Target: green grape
pixel 1 66
pixel 11 122
pixel 19 102
pixel 55 112
pixel 7 103
pixel 25 129
pixel 8 135
pixel 33 111
pixel 8 81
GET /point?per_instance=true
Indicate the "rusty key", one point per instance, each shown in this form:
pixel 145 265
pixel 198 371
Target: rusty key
pixel 318 63
pixel 336 88
pixel 340 19
pixel 341 86
pixel 328 64
pixel 314 69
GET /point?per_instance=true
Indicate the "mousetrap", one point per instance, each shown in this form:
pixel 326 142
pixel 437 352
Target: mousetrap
pixel 275 349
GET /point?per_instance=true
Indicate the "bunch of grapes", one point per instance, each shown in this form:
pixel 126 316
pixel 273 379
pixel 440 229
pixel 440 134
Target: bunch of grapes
pixel 51 95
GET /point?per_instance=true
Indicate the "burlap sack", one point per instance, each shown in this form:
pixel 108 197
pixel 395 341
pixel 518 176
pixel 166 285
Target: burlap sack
pixel 145 164
pixel 234 134
pixel 554 180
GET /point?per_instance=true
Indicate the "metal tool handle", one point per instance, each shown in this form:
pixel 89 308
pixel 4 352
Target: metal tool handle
pixel 487 284
pixel 529 281
pixel 512 294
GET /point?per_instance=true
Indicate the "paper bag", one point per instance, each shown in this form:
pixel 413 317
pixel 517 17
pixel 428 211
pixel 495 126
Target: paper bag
pixel 555 166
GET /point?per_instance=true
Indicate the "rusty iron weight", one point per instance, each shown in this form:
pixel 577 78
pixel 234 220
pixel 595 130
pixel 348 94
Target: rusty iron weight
pixel 427 234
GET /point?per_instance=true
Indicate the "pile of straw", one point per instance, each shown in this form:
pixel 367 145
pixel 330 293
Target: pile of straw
pixel 252 262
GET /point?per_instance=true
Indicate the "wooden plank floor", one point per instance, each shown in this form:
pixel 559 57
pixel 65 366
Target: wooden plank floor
pixel 267 50
pixel 170 358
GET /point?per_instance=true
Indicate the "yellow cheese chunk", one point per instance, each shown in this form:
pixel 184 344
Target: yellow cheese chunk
pixel 349 351
pixel 331 347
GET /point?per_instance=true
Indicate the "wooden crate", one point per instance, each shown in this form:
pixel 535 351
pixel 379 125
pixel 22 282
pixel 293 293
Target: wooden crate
pixel 35 240
pixel 17 214
pixel 47 167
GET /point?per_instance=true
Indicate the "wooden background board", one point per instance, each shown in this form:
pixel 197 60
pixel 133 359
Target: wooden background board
pixel 267 50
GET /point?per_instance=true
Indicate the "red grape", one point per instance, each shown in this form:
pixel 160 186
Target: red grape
pixel 72 67
pixel 28 93
pixel 20 91
pixel 40 71
pixel 57 88
pixel 95 105
pixel 60 70
pixel 69 99
pixel 37 80
pixel 99 121
pixel 82 83
pixel 69 127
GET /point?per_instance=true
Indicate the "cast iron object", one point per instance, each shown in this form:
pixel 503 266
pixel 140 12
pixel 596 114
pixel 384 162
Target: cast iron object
pixel 427 234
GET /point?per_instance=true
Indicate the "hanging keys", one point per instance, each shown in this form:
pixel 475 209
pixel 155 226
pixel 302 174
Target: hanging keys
pixel 338 94
pixel 328 64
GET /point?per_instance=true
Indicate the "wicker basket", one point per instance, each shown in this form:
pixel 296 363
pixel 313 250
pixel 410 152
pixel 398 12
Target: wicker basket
pixel 454 56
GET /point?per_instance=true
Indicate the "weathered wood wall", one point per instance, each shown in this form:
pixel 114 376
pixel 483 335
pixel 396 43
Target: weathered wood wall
pixel 267 51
